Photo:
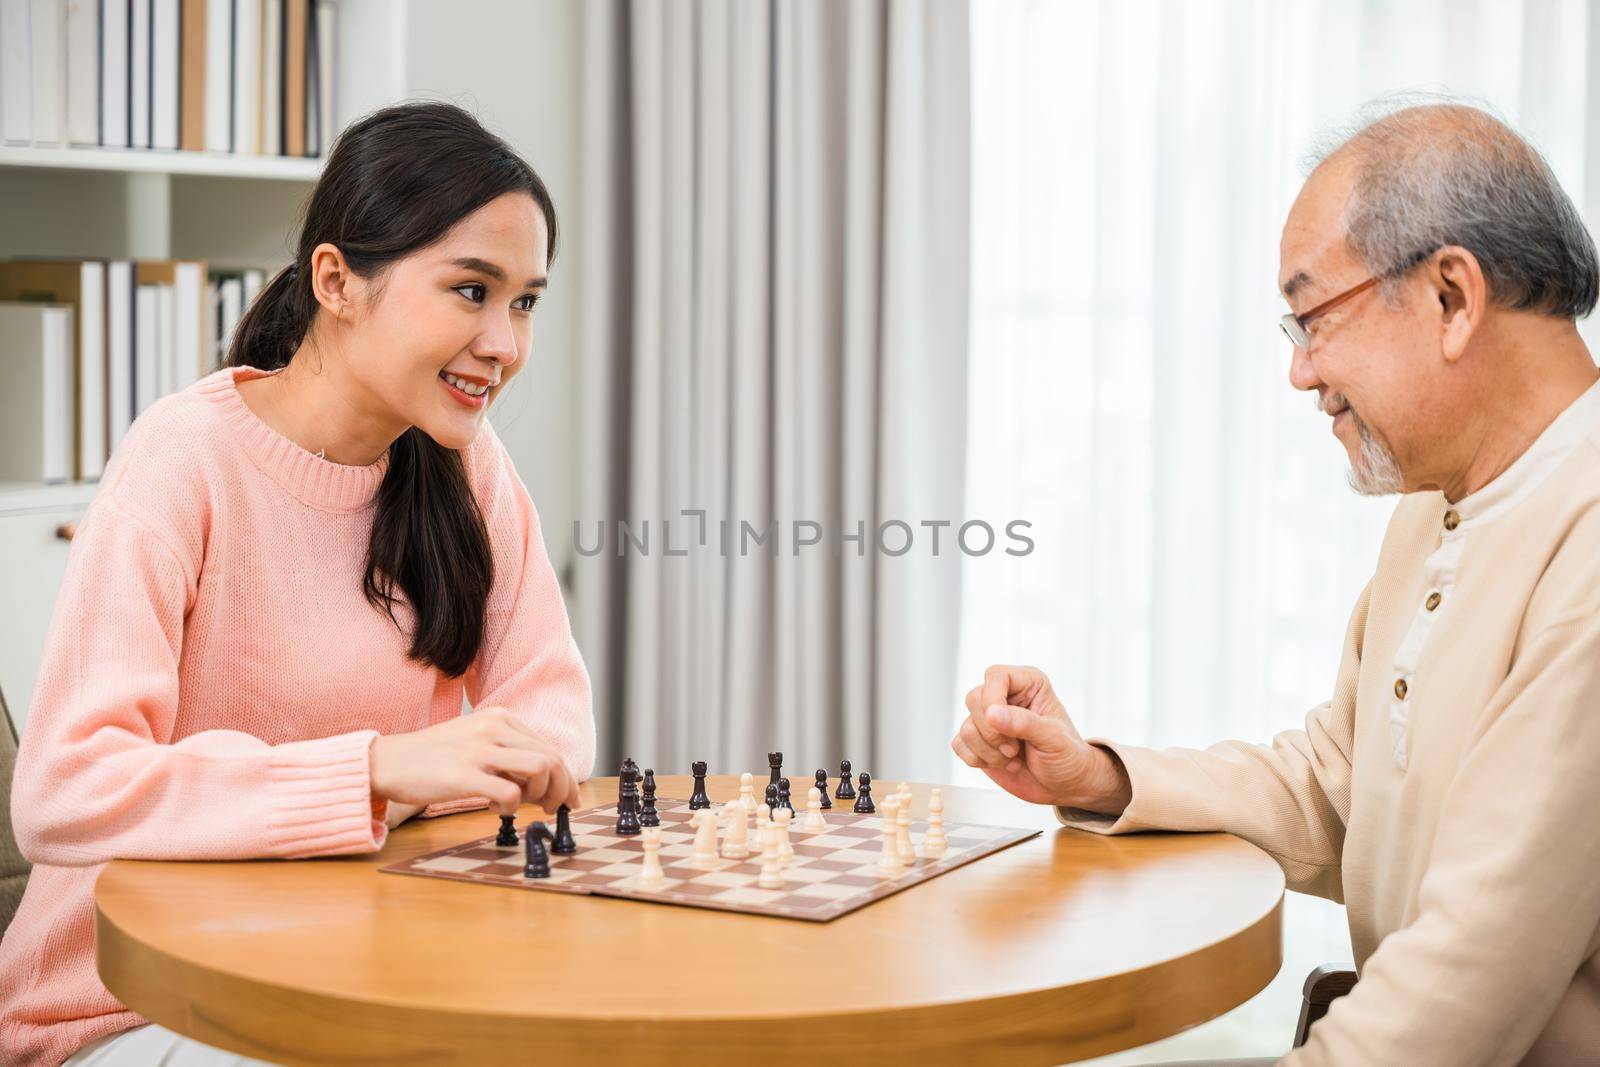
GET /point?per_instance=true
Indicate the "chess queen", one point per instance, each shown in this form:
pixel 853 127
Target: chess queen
pixel 295 570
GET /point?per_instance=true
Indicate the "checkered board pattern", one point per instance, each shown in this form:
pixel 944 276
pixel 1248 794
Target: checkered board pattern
pixel 833 871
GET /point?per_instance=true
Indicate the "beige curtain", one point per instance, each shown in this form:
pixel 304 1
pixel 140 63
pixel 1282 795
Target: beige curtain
pixel 773 253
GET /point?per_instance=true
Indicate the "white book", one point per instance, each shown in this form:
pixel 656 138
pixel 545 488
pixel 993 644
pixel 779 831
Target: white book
pixel 92 391
pixel 272 77
pixel 219 76
pixel 119 349
pixel 47 29
pixel 146 347
pixel 83 72
pixel 247 76
pixel 166 339
pixel 191 323
pixel 36 404
pixel 213 315
pixel 231 291
pixel 139 75
pixel 16 72
pixel 254 279
pixel 165 64
pixel 114 45
pixel 327 41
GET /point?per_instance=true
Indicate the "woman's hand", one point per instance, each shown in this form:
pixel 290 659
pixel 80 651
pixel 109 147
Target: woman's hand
pixel 488 753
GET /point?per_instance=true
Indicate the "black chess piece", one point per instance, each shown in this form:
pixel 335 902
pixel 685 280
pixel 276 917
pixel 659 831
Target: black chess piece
pixel 628 800
pixel 698 798
pixel 864 804
pixel 647 814
pixel 538 860
pixel 822 787
pixel 783 796
pixel 846 790
pixel 564 845
pixel 775 762
pixel 772 799
pixel 628 773
pixel 508 832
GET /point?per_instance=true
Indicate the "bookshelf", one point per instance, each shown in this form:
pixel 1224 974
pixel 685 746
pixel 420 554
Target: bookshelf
pixel 230 210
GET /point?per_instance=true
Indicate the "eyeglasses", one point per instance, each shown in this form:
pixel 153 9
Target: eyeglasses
pixel 1297 328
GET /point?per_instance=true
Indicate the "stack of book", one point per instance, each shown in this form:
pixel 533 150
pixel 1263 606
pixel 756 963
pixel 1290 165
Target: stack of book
pixel 86 345
pixel 246 76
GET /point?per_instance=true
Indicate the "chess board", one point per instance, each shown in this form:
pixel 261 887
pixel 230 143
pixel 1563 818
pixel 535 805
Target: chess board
pixel 833 872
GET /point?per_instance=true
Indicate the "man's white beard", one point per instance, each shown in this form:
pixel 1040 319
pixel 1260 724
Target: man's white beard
pixel 1374 472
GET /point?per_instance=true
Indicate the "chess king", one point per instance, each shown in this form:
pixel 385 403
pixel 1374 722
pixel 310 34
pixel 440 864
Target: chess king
pixel 331 532
pixel 1446 791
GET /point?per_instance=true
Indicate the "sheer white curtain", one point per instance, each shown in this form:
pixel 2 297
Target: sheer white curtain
pixel 1197 553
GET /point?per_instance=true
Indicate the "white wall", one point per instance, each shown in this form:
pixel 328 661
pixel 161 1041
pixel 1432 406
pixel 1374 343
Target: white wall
pixel 515 64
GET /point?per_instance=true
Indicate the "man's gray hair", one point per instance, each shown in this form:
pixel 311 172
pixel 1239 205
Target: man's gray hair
pixel 1448 173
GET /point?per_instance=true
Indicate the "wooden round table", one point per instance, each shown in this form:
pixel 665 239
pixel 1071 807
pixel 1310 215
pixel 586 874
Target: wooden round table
pixel 1067 946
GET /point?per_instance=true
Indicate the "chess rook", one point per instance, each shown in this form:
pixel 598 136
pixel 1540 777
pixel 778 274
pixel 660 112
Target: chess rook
pixel 698 798
pixel 775 765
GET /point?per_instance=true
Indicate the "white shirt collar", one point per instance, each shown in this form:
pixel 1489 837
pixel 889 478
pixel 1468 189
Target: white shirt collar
pixel 1548 451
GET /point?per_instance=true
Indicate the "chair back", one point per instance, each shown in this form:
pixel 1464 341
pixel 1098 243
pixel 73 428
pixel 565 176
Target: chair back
pixel 13 868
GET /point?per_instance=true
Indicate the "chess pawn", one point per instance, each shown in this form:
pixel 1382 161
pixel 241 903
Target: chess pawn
pixel 864 804
pixel 846 791
pixel 763 817
pixel 812 821
pixel 705 840
pixel 735 831
pixel 652 876
pixel 747 793
pixel 889 858
pixel 785 848
pixel 934 842
pixel 902 827
pixel 507 837
pixel 904 791
pixel 771 876
pixel 822 788
pixel 564 843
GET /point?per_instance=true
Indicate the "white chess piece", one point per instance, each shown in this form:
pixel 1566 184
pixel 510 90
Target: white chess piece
pixel 763 816
pixel 747 793
pixel 735 831
pixel 705 840
pixel 889 859
pixel 812 821
pixel 785 849
pixel 652 876
pixel 934 842
pixel 771 876
pixel 902 828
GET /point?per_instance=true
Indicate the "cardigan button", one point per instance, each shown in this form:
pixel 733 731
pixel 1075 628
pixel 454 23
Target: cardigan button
pixel 1451 519
pixel 1400 688
pixel 1432 601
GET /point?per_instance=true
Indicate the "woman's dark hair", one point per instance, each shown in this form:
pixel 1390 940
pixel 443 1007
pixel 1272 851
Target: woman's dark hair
pixel 396 182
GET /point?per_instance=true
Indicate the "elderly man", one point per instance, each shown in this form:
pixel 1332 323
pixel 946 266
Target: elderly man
pixel 1449 792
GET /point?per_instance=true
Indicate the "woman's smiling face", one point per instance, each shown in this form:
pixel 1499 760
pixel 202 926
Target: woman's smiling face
pixel 443 330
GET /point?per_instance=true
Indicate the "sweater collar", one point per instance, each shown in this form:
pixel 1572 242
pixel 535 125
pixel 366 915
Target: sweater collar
pixel 1548 451
pixel 310 478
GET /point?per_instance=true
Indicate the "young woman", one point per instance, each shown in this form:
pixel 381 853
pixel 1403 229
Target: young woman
pixel 294 570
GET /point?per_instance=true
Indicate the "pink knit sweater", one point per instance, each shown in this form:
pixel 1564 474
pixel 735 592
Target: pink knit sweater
pixel 213 680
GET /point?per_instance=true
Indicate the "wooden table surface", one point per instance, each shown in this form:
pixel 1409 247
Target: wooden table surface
pixel 1067 946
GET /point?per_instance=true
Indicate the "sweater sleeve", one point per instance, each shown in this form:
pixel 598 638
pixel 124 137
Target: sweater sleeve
pixel 1290 798
pixel 529 662
pixel 1475 976
pixel 98 774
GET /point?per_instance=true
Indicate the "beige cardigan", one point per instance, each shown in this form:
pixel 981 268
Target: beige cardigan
pixel 1449 793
